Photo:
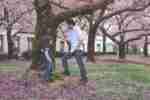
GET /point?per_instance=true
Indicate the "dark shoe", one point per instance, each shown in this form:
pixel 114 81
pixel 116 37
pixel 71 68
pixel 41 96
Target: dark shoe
pixel 51 80
pixel 67 73
pixel 83 81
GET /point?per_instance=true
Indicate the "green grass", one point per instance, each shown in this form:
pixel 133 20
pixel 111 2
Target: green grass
pixel 7 67
pixel 118 80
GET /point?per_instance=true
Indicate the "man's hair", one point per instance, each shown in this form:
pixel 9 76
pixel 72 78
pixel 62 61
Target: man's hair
pixel 70 22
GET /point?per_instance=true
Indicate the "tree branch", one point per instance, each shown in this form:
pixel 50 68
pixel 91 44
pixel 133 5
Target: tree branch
pixel 59 5
pixel 82 10
pixel 109 36
pixel 136 38
pixel 124 10
pixel 20 16
pixel 130 30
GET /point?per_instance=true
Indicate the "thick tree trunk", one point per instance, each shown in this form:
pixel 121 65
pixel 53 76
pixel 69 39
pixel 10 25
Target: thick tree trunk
pixel 145 49
pixel 45 31
pixel 10 43
pixel 91 44
pixel 91 51
pixel 104 43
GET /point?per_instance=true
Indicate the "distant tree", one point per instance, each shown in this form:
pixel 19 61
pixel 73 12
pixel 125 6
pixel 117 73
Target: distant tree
pixel 98 19
pixel 11 16
pixel 145 48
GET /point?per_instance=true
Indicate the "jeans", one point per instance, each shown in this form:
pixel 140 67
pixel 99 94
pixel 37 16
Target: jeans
pixel 79 59
pixel 48 71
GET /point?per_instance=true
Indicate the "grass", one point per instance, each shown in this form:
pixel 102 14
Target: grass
pixel 119 80
pixel 7 67
pixel 116 81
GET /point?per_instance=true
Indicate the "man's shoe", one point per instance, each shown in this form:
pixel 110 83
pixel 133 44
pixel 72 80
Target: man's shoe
pixel 83 81
pixel 66 73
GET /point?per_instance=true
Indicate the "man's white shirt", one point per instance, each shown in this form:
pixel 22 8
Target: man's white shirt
pixel 74 36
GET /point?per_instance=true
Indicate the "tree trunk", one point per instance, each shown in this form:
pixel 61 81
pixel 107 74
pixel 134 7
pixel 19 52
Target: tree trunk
pixel 127 48
pixel 104 43
pixel 135 49
pixel 122 53
pixel 91 51
pixel 1 43
pixel 10 43
pixel 145 49
pixel 45 31
pixel 91 43
pixel 122 48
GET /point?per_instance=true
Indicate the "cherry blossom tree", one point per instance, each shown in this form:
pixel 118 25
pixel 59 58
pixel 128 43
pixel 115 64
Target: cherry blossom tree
pixel 116 8
pixel 126 29
pixel 48 19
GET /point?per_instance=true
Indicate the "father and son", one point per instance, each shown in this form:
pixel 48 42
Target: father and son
pixel 73 40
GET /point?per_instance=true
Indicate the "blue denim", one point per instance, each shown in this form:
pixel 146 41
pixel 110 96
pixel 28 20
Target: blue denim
pixel 78 54
pixel 48 71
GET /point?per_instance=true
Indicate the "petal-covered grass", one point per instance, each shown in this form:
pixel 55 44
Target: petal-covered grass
pixel 107 82
pixel 14 89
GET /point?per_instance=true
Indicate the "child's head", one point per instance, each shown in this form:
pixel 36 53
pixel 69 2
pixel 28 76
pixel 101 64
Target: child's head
pixel 62 43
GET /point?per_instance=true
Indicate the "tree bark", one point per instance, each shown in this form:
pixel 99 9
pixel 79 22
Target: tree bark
pixel 145 49
pixel 10 43
pixel 104 43
pixel 2 43
pixel 122 49
pixel 8 32
pixel 127 48
pixel 122 53
pixel 91 45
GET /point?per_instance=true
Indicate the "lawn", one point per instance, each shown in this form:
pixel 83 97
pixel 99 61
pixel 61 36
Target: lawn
pixel 114 81
pixel 119 81
pixel 8 67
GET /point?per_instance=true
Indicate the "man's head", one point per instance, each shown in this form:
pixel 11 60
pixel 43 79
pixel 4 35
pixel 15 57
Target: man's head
pixel 70 23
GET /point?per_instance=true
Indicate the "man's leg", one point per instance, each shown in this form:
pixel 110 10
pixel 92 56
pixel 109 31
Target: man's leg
pixel 65 63
pixel 83 72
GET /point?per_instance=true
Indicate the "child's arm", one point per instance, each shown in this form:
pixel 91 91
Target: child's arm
pixel 47 56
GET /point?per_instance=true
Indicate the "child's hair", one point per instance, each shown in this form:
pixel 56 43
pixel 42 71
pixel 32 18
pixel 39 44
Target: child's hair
pixel 61 42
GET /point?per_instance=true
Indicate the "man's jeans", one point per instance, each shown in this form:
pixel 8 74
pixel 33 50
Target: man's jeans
pixel 78 56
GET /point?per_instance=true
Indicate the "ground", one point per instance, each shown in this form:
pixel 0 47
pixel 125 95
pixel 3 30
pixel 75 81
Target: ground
pixel 110 79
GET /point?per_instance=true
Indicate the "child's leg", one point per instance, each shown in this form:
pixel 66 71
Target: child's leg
pixel 48 72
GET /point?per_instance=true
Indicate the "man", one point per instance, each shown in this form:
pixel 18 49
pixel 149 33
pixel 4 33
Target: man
pixel 72 37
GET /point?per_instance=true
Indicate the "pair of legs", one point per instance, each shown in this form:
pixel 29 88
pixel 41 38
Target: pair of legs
pixel 46 68
pixel 78 56
pixel 48 71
